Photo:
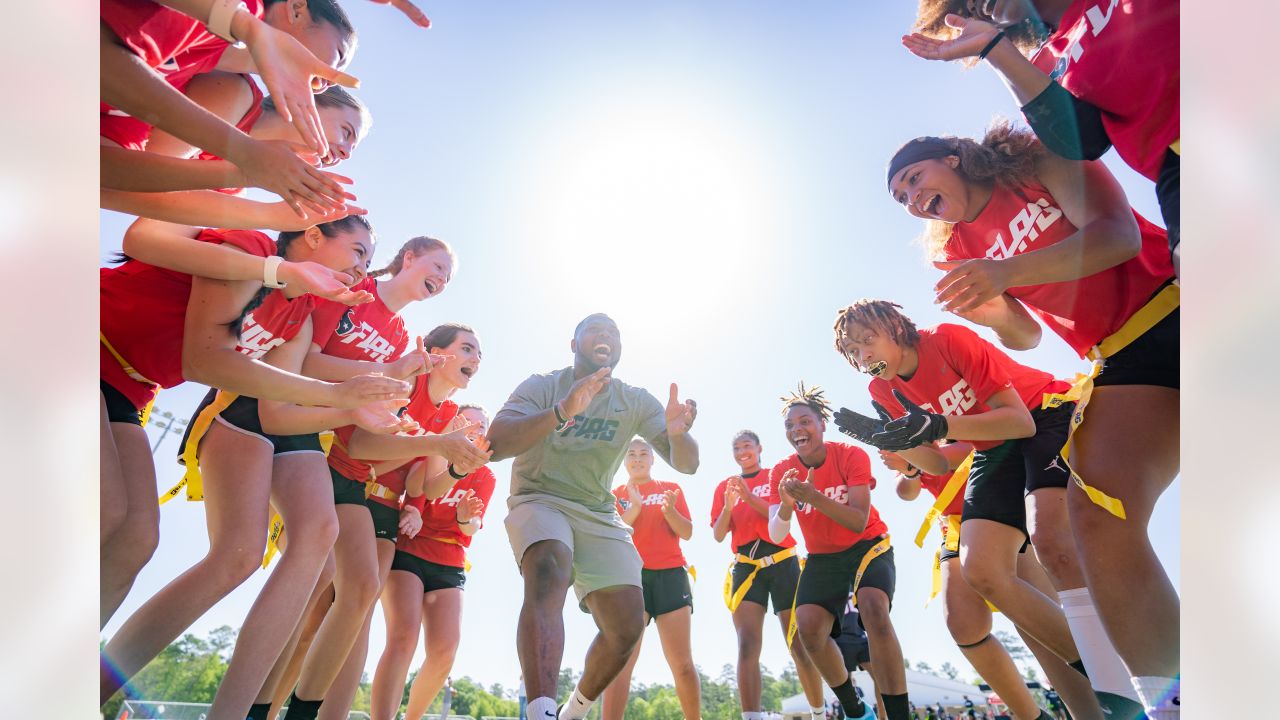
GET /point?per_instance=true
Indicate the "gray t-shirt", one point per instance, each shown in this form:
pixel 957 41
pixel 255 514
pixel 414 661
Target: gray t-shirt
pixel 579 462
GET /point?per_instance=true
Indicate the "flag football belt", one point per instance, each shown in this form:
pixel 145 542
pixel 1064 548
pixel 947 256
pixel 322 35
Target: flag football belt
pixel 733 599
pixel 1147 317
pixel 145 413
pixel 876 551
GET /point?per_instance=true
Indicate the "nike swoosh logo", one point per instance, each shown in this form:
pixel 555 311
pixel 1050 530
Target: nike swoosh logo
pixel 549 714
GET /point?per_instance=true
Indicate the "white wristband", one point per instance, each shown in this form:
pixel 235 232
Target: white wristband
pixel 220 16
pixel 269 268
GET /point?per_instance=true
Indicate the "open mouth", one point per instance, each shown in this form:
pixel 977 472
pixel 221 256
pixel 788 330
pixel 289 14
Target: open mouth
pixel 602 351
pixel 877 367
pixel 932 207
pixel 800 442
pixel 431 287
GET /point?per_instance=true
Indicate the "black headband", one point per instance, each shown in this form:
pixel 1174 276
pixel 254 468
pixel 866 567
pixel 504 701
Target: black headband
pixel 922 148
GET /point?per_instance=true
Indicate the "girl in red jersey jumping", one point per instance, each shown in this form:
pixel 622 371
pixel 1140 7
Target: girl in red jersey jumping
pixel 827 485
pixel 968 615
pixel 1016 227
pixel 160 327
pixel 395 495
pixel 762 570
pixel 238 452
pixel 659 516
pixel 945 382
pixel 1088 74
pixel 424 589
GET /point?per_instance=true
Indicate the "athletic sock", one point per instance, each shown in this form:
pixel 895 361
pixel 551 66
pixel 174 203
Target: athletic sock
pixel 1107 674
pixel 756 715
pixel 576 707
pixel 817 713
pixel 896 707
pixel 541 708
pixel 302 709
pixel 258 711
pixel 849 699
pixel 1161 696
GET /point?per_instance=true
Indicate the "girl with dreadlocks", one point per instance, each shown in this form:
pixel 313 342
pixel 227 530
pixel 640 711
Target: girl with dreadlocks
pixel 1095 272
pixel 945 382
pixel 1099 73
pixel 828 486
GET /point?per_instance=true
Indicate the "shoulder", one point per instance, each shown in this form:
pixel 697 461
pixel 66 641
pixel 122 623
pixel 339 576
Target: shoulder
pixel 250 241
pixel 847 452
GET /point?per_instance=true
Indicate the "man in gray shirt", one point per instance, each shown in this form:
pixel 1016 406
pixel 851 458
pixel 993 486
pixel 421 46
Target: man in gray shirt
pixel 568 431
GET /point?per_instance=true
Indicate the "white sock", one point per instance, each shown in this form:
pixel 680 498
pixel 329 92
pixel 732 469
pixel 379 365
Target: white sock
pixel 542 708
pixel 576 707
pixel 1106 671
pixel 757 715
pixel 817 713
pixel 1161 696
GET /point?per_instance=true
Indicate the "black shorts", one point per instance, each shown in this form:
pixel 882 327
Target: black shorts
pixel 665 590
pixel 242 415
pixel 1001 477
pixel 1167 195
pixel 434 576
pixel 777 581
pixel 1152 359
pixel 386 520
pixel 853 641
pixel 345 490
pixel 828 578
pixel 120 409
pixel 947 554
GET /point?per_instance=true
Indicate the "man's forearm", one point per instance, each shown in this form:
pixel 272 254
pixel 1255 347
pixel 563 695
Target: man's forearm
pixel 684 453
pixel 514 434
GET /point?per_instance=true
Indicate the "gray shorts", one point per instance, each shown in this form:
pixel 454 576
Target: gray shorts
pixel 603 554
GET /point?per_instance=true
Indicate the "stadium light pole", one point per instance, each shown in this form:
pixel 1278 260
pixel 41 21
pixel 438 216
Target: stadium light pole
pixel 166 421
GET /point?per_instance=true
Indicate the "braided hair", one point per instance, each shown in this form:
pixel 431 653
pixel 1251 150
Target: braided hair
pixel 417 246
pixel 811 397
pixel 880 315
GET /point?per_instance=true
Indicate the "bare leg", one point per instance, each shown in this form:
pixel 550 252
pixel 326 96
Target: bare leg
pixel 284 674
pixel 547 568
pixel 988 558
pixel 131 479
pixel 300 491
pixel 337 702
pixel 813 629
pixel 873 607
pixel 613 703
pixel 810 678
pixel 402 609
pixel 618 612
pixel 237 472
pixel 748 620
pixel 1074 688
pixel 442 633
pixel 674 630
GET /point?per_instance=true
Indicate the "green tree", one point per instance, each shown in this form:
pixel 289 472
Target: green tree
pixel 188 670
pixel 950 670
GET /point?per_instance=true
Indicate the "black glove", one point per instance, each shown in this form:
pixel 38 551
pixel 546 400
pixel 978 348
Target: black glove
pixel 918 427
pixel 859 426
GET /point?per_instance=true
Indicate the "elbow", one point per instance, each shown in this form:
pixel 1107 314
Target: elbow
pixel 1026 426
pixel 688 467
pixel 1027 339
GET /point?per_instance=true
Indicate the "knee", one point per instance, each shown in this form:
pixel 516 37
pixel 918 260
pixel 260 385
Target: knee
pixel 1056 551
pixel 443 647
pixel 112 514
pixel 812 636
pixel 965 628
pixel 546 578
pixel 135 542
pixel 749 644
pixel 684 668
pixel 625 631
pixel 314 537
pixel 874 612
pixel 987 580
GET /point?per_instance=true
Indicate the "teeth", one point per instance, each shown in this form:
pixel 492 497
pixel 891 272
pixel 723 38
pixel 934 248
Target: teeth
pixel 602 348
pixel 877 367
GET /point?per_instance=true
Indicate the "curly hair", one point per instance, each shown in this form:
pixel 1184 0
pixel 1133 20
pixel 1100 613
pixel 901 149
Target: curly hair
pixel 811 397
pixel 931 15
pixel 880 315
pixel 1006 156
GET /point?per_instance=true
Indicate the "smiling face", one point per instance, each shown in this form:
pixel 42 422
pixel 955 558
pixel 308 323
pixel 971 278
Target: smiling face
pixel 804 429
pixel 933 190
pixel 479 422
pixel 639 460
pixel 427 273
pixel 349 250
pixel 465 362
pixel 598 343
pixel 870 350
pixel 746 452
pixel 343 127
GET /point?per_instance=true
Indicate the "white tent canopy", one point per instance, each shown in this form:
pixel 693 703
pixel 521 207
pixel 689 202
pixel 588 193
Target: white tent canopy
pixel 922 689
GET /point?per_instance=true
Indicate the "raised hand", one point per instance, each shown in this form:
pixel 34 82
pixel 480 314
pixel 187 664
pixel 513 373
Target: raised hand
pixel 410 10
pixel 916 428
pixel 281 216
pixel 274 165
pixel 733 490
pixel 469 506
pixel 895 462
pixel 478 447
pixel 974 35
pixel 969 284
pixel 680 415
pixel 784 487
pixel 410 521
pixel 633 494
pixel 583 391
pixel 669 500
pixel 322 282
pixel 379 417
pixel 802 490
pixel 364 389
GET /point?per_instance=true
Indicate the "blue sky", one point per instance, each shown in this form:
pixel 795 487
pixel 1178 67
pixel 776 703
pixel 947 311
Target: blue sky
pixel 709 174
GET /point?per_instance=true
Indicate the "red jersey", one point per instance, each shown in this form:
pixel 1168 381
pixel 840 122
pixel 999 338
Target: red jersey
pixel 433 419
pixel 369 331
pixel 658 544
pixel 1122 56
pixel 440 540
pixel 958 372
pixel 846 466
pixel 746 524
pixel 176 46
pixel 935 483
pixel 142 312
pixel 1082 311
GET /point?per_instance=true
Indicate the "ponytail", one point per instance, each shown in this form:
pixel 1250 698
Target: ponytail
pixel 417 246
